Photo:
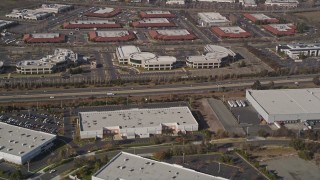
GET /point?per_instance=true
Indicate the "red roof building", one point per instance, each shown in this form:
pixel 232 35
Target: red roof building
pixel 90 24
pixel 260 17
pixel 230 32
pixel 153 22
pixel 156 14
pixel 281 29
pixel 172 34
pixel 111 36
pixel 44 38
pixel 104 12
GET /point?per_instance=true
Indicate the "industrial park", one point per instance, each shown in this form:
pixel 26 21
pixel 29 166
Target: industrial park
pixel 159 89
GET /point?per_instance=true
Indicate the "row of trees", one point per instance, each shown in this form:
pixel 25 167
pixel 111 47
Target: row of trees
pixel 187 150
pixel 89 165
pixel 306 150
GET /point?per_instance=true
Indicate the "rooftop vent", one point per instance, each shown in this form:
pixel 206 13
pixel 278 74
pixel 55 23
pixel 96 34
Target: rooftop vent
pixel 9 149
pixel 126 159
pixel 122 167
pixel 21 152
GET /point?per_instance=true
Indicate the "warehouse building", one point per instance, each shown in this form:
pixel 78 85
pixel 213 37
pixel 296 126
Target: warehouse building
pixel 44 38
pixel 214 57
pixel 281 29
pixel 111 36
pixel 130 166
pixel 49 64
pixel 104 12
pixel 256 17
pixel 230 32
pixel 175 2
pixel 123 53
pixel 153 22
pixel 295 51
pixel 157 14
pixel 5 24
pixel 208 19
pixel 19 145
pixel 134 123
pixel 286 105
pixel 248 3
pixel 88 24
pixel 283 3
pixel 172 34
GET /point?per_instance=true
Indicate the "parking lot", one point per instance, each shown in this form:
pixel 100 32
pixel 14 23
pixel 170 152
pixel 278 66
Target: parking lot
pixel 31 120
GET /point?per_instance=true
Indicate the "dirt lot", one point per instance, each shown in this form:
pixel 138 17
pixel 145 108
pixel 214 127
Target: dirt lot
pixel 209 116
pixel 272 152
pixel 312 17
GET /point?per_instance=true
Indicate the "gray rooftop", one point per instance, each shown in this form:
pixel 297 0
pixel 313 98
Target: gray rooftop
pixel 288 101
pixel 130 166
pixel 19 141
pixel 135 118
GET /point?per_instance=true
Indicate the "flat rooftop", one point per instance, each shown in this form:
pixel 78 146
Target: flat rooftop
pixel 288 101
pixel 19 141
pixel 232 29
pixel 260 16
pixel 119 33
pixel 217 49
pixel 281 27
pixel 212 17
pixel 135 118
pixel 282 1
pixel 92 22
pixel 154 20
pixel 104 10
pixel 126 51
pixel 174 32
pixel 303 46
pixel 130 166
pixel 157 12
pixel 5 23
pixel 45 35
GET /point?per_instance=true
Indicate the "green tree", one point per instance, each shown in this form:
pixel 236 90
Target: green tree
pixel 297 144
pixel 306 155
pixel 316 80
pixel 256 85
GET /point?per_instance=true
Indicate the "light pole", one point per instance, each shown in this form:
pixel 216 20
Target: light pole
pixel 247 131
pixel 219 167
pixel 238 118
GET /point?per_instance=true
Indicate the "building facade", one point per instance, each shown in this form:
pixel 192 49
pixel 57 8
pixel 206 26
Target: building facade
pixel 282 3
pixel 172 34
pixel 173 2
pixel 104 12
pixel 286 105
pixel 133 123
pixel 153 22
pixel 88 24
pixel 256 17
pixel 49 64
pixel 111 36
pixel 281 29
pixel 230 32
pixel 295 51
pixel 207 19
pixel 19 145
pixel 44 38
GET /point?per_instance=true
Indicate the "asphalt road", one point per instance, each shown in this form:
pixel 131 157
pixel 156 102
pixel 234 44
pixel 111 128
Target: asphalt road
pixel 64 94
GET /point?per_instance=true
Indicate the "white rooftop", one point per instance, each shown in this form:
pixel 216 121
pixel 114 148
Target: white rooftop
pixel 154 20
pixel 303 46
pixel 119 33
pixel 55 6
pixel 281 27
pixel 19 141
pixel 92 22
pixel 259 16
pixel 126 51
pixel 212 17
pixel 5 23
pixel 174 32
pixel 157 12
pixel 208 58
pixel 135 118
pixel 129 166
pixel 60 55
pixel 288 101
pixel 217 49
pixel 104 10
pixel 232 29
pixel 45 35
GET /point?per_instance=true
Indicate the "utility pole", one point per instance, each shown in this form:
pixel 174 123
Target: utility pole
pixel 238 118
pixel 183 157
pixel 219 167
pixel 247 131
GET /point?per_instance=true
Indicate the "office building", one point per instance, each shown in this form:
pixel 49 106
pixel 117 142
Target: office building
pixel 111 36
pixel 230 32
pixel 208 19
pixel 44 38
pixel 295 51
pixel 281 29
pixel 172 34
